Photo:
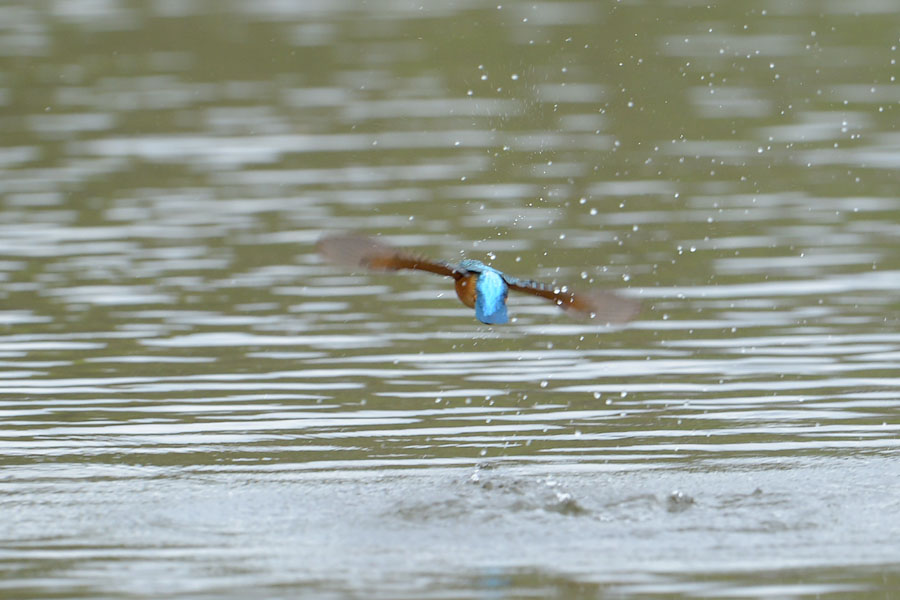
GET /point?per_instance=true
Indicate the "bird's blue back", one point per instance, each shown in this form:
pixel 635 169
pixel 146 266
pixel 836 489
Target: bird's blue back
pixel 490 293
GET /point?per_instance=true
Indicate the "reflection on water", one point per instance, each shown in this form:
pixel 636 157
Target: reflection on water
pixel 195 405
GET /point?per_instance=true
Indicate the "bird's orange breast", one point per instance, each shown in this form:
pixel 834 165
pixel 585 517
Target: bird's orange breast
pixel 465 289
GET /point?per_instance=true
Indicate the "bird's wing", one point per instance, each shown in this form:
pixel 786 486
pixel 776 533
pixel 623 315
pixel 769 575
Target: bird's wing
pixel 607 307
pixel 362 251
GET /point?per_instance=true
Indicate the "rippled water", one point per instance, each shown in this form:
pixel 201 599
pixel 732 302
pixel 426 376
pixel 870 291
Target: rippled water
pixel 195 405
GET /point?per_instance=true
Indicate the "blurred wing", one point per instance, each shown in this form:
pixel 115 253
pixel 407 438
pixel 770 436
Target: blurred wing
pixel 607 307
pixel 362 251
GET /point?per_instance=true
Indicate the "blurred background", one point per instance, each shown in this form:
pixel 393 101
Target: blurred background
pixel 194 405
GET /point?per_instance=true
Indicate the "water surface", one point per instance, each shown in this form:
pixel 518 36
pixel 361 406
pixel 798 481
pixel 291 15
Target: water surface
pixel 194 405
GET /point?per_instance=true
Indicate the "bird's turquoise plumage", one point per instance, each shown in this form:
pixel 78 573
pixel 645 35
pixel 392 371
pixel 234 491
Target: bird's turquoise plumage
pixel 490 292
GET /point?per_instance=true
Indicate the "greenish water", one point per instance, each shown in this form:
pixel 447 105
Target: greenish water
pixel 194 405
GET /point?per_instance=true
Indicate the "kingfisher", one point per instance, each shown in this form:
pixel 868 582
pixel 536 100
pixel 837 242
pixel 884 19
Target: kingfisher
pixel 478 285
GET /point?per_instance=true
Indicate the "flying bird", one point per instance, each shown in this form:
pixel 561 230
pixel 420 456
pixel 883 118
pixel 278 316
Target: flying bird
pixel 478 285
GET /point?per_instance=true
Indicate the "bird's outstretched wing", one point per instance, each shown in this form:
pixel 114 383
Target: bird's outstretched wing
pixel 607 307
pixel 362 251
